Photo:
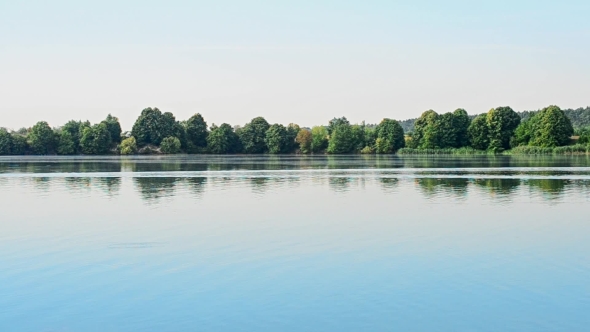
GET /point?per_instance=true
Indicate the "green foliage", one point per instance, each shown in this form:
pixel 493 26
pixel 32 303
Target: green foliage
pixel 252 136
pixel 128 146
pixel 66 144
pixel 572 149
pixel 196 132
pixel 502 122
pixel 170 145
pixel 319 139
pixel 276 139
pixel 427 133
pixel 222 140
pixel 342 139
pixel 552 128
pixel 304 139
pixel 390 137
pixel 335 122
pixel 447 151
pixel 291 143
pixel 5 142
pixel 114 128
pixel 95 140
pixel 152 126
pixel 20 145
pixel 461 123
pixel 535 150
pixel 42 139
pixel 584 135
pixel 478 133
pixel 75 128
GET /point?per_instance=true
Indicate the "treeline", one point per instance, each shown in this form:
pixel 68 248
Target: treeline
pixel 155 132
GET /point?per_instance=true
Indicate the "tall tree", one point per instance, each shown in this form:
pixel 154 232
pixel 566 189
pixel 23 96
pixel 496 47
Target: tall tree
pixel 427 132
pixel 253 135
pixel 390 137
pixel 222 139
pixel 42 139
pixel 478 133
pixel 319 139
pixel 461 122
pixel 552 128
pixel 152 126
pixel 5 142
pixel 66 144
pixel 276 139
pixel 114 128
pixel 304 139
pixel 292 131
pixel 342 139
pixel 196 132
pixel 502 122
pixel 95 140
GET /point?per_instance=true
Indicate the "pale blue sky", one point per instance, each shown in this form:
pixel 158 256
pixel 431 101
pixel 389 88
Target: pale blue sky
pixel 289 61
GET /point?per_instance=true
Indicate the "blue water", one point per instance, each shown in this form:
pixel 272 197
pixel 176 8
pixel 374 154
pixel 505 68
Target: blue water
pixel 295 244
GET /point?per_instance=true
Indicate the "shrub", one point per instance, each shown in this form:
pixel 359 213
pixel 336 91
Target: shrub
pixel 128 146
pixel 170 145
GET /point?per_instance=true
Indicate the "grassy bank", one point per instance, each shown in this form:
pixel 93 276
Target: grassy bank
pixel 577 149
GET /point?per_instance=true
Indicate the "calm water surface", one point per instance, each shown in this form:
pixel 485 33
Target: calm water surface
pixel 295 244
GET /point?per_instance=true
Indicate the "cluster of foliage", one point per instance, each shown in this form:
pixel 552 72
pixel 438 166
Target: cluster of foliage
pixel 440 131
pixel 75 137
pixel 450 133
pixel 547 128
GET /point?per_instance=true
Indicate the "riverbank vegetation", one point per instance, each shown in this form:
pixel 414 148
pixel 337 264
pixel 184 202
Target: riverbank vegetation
pixel 501 130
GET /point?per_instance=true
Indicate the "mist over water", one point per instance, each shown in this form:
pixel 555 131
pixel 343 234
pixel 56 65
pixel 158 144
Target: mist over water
pixel 295 243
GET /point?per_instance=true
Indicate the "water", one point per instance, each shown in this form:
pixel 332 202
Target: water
pixel 295 244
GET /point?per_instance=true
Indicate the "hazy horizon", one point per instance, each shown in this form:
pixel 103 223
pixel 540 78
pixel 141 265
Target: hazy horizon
pixel 302 62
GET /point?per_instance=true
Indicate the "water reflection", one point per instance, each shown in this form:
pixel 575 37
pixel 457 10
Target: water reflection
pixel 197 186
pixel 433 187
pixel 153 189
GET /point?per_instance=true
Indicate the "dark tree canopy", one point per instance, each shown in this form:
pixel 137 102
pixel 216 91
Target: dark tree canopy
pixel 95 140
pixel 342 138
pixel 502 122
pixel 478 133
pixel 196 132
pixel 42 139
pixel 276 139
pixel 5 142
pixel 222 140
pixel 390 137
pixel 253 135
pixel 548 128
pixel 152 127
pixel 114 128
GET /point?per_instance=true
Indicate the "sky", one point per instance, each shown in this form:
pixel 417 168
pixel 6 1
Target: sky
pixel 304 61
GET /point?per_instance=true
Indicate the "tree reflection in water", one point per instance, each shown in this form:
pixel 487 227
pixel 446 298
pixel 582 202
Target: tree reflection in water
pixel 156 188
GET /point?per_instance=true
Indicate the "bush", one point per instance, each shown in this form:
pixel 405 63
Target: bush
pixel 447 151
pixel 128 146
pixel 170 145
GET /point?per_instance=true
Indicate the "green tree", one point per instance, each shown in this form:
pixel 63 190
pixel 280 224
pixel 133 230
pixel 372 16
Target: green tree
pixel 390 137
pixel 66 144
pixel 552 128
pixel 152 126
pixel 114 128
pixel 128 146
pixel 342 139
pixel 502 122
pixel 427 132
pixel 42 139
pixel 75 128
pixel 276 139
pixel 478 133
pixel 95 140
pixel 5 142
pixel 335 122
pixel 222 140
pixel 304 139
pixel 170 145
pixel 524 132
pixel 19 144
pixel 319 139
pixel 291 143
pixel 461 122
pixel 252 135
pixel 196 132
